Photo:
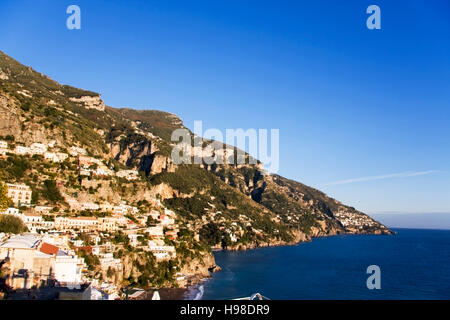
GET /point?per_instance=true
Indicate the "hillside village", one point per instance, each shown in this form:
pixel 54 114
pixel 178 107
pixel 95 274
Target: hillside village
pixel 67 235
pixel 94 208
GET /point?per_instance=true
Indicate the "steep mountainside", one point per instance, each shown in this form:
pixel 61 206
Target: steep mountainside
pixel 244 206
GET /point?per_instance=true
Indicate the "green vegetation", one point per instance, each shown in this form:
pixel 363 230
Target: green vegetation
pixel 11 224
pixel 51 191
pixel 210 234
pixel 5 202
pixel 91 260
pixel 187 178
pixel 190 208
pixel 14 167
pixel 154 274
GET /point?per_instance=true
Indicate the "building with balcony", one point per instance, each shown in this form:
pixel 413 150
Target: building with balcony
pixel 20 194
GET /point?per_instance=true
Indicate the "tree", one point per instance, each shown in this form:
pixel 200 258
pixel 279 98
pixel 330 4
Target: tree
pixel 210 234
pixel 35 196
pixel 5 202
pixel 11 224
pixel 226 241
pixel 91 261
pixel 17 166
pixel 51 191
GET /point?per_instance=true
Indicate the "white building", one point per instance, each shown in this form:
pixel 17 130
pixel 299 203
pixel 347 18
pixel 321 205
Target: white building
pixel 157 231
pixel 12 211
pixel 42 209
pixel 38 148
pixel 50 156
pixel 21 150
pixel 3 147
pixel 33 221
pixel 107 261
pixel 68 268
pixel 154 215
pixel 166 220
pixel 161 252
pixel 89 206
pixel 62 156
pixel 20 194
pixel 85 224
pixel 170 213
pixel 125 209
pixel 105 207
pixel 75 151
pixel 55 157
pixel 102 171
pixel 85 172
pixel 128 174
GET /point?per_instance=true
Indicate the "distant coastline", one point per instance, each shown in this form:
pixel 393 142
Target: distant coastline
pixel 435 220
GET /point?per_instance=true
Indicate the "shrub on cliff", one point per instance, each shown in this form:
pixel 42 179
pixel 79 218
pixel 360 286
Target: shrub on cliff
pixel 210 234
pixel 14 167
pixel 51 191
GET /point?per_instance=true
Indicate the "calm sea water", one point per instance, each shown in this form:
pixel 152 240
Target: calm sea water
pixel 415 264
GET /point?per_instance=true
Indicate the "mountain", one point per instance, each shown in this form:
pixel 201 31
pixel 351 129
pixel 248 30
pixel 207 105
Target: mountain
pixel 236 206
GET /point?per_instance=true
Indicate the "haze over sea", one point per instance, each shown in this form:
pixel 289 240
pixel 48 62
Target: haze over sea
pixel 415 264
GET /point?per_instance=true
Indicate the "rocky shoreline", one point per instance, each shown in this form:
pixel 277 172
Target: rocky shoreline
pixel 198 271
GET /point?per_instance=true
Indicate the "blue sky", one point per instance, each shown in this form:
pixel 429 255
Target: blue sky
pixel 364 115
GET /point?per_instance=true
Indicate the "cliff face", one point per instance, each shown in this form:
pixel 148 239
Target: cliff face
pixel 12 121
pixel 245 206
pixel 197 269
pixel 90 102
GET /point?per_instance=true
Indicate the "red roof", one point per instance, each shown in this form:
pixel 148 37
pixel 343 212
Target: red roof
pixel 49 248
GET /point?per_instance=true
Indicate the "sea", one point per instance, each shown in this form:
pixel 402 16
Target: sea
pixel 413 264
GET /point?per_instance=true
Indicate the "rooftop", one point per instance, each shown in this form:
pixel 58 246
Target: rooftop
pixel 49 248
pixel 27 241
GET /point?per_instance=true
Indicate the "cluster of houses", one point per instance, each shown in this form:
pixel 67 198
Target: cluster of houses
pixel 48 151
pixel 117 219
pixel 44 247
pixel 88 166
pixel 163 226
pixel 354 221
pixel 121 209
pixel 50 252
pixel 93 167
pixel 36 149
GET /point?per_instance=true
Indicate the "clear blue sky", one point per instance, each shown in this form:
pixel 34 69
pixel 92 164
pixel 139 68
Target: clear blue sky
pixel 350 103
